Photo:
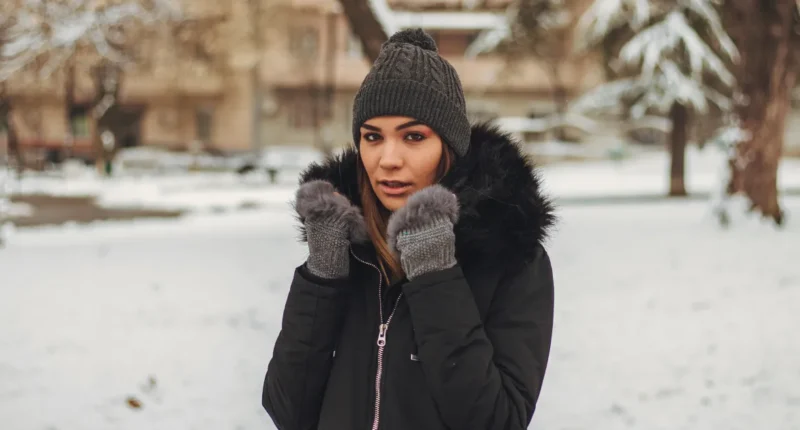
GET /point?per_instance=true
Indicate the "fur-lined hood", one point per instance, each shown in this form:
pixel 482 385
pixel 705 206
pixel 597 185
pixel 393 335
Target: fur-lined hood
pixel 504 216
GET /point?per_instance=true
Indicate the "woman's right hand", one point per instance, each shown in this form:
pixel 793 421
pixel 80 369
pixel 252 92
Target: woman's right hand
pixel 330 222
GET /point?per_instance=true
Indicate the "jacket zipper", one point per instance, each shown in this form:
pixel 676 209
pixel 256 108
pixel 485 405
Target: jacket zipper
pixel 383 328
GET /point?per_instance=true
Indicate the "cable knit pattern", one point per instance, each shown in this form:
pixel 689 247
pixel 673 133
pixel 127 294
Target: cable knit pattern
pixel 403 62
pixel 328 250
pixel 428 248
pixel 410 78
pixel 436 77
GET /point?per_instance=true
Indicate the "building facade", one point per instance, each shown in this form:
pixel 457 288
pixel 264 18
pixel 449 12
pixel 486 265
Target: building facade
pixel 284 75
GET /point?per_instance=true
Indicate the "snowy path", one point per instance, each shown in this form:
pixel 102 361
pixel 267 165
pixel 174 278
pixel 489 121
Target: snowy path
pixel 663 322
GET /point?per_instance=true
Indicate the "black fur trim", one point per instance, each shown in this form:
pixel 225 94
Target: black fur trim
pixel 504 217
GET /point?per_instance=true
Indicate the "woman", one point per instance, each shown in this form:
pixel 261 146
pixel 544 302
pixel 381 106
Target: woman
pixel 426 301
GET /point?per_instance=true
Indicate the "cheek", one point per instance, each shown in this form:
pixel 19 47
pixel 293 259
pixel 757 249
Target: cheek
pixel 428 162
pixel 369 159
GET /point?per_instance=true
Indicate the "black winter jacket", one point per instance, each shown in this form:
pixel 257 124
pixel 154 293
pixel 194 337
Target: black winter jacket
pixel 465 348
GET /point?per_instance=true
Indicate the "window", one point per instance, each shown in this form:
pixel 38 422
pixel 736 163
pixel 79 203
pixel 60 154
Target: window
pixel 79 121
pixel 306 109
pixel 304 42
pixel 204 118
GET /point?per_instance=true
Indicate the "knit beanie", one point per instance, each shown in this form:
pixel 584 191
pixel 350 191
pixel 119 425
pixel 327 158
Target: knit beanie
pixel 409 78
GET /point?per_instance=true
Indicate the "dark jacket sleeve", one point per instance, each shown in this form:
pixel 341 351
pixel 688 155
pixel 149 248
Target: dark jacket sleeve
pixel 484 376
pixel 301 361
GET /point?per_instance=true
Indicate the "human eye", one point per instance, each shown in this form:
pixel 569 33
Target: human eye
pixel 371 137
pixel 415 136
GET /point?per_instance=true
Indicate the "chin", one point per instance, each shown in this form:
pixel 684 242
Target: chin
pixel 393 203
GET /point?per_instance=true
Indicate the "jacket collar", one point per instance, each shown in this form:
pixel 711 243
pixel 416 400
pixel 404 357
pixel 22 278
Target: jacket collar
pixel 504 214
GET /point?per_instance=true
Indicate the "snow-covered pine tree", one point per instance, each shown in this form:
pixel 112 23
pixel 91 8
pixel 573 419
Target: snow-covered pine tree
pixel 674 60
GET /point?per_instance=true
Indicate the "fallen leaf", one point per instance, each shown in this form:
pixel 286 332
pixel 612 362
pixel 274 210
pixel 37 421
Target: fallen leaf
pixel 134 403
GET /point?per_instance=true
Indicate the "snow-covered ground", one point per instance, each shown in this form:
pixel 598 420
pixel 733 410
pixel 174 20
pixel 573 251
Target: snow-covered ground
pixel 663 321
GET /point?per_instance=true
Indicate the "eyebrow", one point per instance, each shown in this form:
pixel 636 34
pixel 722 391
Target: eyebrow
pixel 398 128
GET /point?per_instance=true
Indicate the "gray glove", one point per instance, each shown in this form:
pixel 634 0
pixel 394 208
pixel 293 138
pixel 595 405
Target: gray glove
pixel 422 231
pixel 330 223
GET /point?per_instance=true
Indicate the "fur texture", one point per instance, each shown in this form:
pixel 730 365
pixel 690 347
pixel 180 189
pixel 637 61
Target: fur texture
pixel 504 217
pixel 424 208
pixel 318 202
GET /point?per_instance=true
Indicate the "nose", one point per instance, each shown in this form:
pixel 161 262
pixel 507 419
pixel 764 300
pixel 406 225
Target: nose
pixel 391 156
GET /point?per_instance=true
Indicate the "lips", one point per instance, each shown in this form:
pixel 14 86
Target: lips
pixel 394 188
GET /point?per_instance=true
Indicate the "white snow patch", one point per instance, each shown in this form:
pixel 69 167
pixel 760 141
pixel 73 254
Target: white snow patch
pixel 181 191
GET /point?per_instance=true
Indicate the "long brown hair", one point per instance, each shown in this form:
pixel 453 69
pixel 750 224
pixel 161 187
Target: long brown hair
pixel 376 216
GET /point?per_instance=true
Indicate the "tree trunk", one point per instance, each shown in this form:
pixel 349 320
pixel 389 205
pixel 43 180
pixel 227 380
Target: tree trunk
pixel 12 138
pixel 560 99
pixel 325 137
pixel 365 25
pixel 69 104
pixel 107 86
pixel 764 33
pixel 679 116
pixel 256 11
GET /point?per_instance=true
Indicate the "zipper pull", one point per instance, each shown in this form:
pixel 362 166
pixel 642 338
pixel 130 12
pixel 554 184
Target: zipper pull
pixel 382 334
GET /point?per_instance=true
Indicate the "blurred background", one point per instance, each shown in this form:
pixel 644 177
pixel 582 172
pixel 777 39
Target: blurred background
pixel 149 150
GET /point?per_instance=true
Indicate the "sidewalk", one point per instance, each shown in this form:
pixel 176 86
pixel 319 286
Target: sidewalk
pixel 55 210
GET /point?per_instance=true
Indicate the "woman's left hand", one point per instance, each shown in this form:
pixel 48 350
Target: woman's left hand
pixel 421 232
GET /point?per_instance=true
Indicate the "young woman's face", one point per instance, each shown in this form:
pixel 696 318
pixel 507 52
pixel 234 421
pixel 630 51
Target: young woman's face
pixel 401 156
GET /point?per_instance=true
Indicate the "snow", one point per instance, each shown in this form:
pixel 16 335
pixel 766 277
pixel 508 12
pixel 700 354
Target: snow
pixel 55 31
pixel 665 322
pixel 662 321
pixel 604 16
pixel 671 58
pixel 457 20
pixel 664 39
pixel 148 159
pixel 175 191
